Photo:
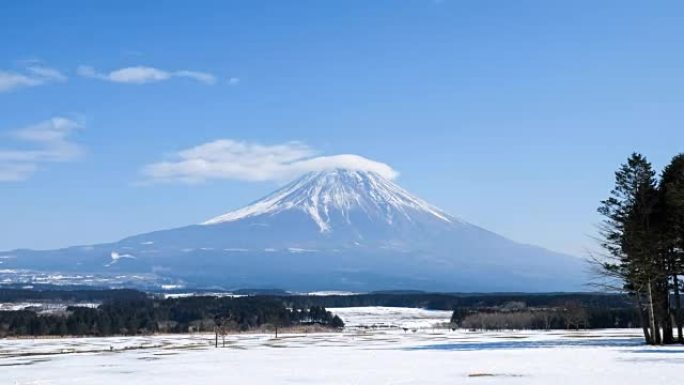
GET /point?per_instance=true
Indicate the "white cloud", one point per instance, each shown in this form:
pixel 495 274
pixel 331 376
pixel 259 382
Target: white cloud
pixel 233 81
pixel 41 143
pixel 46 73
pixel 202 77
pixel 34 75
pixel 229 159
pixel 15 172
pixel 142 75
pixel 12 80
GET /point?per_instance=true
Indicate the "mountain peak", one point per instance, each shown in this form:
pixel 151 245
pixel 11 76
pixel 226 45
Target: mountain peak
pixel 338 194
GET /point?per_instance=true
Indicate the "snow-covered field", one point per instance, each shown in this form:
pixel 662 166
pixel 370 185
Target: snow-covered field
pixel 391 317
pixel 45 307
pixel 359 355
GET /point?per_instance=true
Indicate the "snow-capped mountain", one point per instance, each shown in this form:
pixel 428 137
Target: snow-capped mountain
pixel 337 229
pixel 326 194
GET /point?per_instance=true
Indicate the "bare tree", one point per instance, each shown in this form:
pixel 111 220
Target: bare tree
pixel 220 329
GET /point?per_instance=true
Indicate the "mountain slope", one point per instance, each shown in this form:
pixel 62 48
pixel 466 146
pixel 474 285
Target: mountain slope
pixel 334 229
pixel 323 194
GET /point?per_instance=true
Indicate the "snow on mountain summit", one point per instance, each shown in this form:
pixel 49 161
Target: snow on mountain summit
pixel 323 195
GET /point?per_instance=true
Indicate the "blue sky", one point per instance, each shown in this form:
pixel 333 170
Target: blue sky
pixel 510 114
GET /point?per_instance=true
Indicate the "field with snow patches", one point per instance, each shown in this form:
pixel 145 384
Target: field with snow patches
pixel 373 349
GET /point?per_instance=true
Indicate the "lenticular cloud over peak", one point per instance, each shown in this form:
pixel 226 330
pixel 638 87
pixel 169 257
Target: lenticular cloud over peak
pixel 227 159
pixel 349 162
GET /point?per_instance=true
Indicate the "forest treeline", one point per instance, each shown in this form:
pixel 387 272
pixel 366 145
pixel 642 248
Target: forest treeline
pixel 423 300
pixel 643 237
pixel 453 301
pixel 568 315
pixel 135 316
pixel 130 312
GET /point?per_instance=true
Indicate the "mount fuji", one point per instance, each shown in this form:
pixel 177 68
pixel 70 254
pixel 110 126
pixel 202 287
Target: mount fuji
pixel 338 229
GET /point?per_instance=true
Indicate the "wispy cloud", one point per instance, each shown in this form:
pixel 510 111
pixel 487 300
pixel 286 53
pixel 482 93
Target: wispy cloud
pixel 230 159
pixel 38 144
pixel 31 76
pixel 143 75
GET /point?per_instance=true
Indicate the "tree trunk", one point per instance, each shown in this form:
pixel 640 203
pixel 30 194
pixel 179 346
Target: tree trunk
pixel 655 333
pixel 678 311
pixel 644 320
pixel 668 336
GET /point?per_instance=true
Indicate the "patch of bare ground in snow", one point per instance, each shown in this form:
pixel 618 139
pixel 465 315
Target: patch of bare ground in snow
pixel 475 375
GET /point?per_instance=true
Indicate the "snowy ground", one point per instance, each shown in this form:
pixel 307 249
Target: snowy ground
pixel 43 307
pixel 391 317
pixel 359 355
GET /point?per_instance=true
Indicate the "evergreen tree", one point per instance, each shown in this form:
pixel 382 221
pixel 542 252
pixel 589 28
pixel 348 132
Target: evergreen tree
pixel 628 236
pixel 672 198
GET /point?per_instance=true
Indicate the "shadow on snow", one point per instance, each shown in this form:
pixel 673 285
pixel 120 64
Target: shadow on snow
pixel 505 345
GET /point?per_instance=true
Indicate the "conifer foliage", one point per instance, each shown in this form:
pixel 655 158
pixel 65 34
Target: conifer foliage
pixel 643 235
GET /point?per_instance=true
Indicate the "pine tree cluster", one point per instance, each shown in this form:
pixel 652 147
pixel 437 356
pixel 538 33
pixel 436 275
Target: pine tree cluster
pixel 643 236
